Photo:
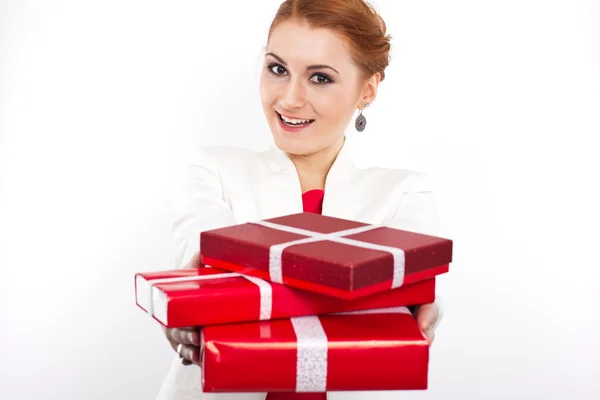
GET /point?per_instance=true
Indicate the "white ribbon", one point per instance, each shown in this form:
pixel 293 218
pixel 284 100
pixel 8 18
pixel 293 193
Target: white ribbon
pixel 276 251
pixel 311 354
pixel 265 290
pixel 266 297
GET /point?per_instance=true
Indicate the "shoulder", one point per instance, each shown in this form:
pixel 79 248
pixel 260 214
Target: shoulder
pixel 404 197
pixel 412 204
pixel 396 180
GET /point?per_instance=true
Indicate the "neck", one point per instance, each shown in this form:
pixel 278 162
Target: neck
pixel 313 168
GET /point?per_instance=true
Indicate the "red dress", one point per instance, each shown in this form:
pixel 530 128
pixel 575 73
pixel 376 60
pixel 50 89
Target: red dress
pixel 312 201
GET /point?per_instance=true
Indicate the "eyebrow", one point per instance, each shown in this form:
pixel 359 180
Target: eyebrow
pixel 310 67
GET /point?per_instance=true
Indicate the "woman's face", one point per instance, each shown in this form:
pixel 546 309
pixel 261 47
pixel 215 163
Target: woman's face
pixel 309 88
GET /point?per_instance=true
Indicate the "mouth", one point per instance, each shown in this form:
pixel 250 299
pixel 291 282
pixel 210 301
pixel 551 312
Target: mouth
pixel 293 124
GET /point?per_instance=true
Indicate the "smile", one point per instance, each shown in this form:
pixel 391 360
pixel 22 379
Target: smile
pixel 293 124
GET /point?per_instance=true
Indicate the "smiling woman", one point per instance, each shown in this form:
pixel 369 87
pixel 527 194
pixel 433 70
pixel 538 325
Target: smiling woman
pixel 310 87
pixel 324 61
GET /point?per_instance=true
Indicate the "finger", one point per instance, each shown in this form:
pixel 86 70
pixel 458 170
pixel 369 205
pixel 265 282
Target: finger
pixel 195 261
pixel 430 334
pixel 186 336
pixel 190 353
pixel 427 315
pixel 175 347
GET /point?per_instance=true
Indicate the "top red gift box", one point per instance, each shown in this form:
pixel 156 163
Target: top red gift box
pixel 327 255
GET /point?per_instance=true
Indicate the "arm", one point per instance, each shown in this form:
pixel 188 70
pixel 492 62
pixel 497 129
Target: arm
pixel 415 212
pixel 200 205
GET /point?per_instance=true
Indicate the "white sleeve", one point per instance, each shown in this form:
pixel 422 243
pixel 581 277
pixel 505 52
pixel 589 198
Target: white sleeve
pixel 200 205
pixel 416 212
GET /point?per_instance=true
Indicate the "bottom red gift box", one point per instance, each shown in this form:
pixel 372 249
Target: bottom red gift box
pixel 208 296
pixel 368 350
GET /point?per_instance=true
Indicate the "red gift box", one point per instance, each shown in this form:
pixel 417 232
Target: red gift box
pixel 363 350
pixel 332 256
pixel 207 296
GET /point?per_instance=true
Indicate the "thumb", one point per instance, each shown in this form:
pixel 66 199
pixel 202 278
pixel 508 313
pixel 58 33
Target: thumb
pixel 427 316
pixel 195 261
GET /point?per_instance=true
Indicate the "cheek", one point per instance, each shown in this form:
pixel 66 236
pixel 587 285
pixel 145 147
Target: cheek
pixel 265 91
pixel 334 105
pixel 269 89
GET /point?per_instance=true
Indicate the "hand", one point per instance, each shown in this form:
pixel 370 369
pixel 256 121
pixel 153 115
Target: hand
pixel 188 338
pixel 428 316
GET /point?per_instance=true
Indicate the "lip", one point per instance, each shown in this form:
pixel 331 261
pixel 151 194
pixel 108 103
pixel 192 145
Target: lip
pixel 291 128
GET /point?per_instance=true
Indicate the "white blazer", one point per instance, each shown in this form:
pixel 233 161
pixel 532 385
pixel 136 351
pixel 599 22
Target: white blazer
pixel 228 186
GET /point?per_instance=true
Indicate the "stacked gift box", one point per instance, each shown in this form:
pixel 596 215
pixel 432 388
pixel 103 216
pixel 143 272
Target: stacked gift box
pixel 308 301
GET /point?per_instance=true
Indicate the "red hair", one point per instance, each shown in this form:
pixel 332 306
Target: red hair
pixel 356 21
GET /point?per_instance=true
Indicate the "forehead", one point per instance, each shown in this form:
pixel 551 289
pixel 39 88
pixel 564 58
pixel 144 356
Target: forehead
pixel 298 44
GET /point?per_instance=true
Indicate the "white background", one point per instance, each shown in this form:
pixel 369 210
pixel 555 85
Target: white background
pixel 100 102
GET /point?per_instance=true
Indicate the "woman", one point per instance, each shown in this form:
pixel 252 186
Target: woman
pixel 324 60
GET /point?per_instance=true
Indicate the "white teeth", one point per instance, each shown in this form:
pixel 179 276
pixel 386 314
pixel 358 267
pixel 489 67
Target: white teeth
pixel 295 121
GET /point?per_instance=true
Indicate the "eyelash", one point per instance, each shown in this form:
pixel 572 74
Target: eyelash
pixel 328 79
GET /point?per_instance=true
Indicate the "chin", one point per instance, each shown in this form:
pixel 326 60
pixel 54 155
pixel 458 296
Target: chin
pixel 297 143
pixel 298 147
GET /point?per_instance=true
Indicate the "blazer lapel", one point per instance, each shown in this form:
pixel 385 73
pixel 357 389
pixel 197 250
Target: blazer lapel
pixel 284 194
pixel 338 186
pixel 282 191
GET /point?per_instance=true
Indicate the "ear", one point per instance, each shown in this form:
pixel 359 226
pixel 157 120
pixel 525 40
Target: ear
pixel 369 91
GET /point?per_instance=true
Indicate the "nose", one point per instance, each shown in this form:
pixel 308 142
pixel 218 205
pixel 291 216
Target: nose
pixel 293 95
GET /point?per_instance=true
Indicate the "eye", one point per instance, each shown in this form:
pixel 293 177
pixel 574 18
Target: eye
pixel 276 69
pixel 321 79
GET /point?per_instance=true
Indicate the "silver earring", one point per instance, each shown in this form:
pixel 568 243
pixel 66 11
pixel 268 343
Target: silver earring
pixel 361 122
